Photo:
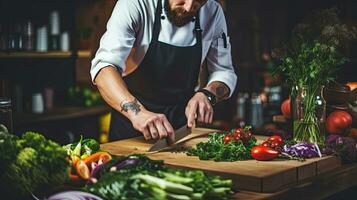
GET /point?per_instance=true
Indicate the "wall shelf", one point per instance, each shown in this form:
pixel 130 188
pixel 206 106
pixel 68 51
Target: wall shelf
pixel 34 54
pixel 60 113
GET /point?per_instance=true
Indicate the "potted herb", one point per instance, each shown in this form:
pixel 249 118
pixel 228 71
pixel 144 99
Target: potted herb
pixel 308 62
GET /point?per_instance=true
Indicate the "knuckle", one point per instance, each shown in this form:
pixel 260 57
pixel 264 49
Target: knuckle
pixel 162 117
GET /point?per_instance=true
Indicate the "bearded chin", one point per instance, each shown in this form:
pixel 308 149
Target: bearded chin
pixel 175 18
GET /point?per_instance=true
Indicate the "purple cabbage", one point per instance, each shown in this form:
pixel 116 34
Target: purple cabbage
pixel 345 147
pixel 97 168
pixel 127 162
pixel 74 195
pixel 302 150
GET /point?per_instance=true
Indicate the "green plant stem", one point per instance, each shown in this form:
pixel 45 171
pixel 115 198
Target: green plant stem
pixel 308 129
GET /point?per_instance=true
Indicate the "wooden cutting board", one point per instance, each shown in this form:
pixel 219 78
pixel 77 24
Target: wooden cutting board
pixel 252 175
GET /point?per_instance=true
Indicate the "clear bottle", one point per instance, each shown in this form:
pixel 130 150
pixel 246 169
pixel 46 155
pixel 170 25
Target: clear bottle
pixel 54 31
pixel 241 106
pixel 6 113
pixel 257 119
pixel 28 36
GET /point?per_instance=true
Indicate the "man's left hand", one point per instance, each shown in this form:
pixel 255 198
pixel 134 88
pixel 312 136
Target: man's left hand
pixel 199 108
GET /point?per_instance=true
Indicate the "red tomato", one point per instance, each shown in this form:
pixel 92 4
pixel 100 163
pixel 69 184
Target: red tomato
pixel 338 121
pixel 238 130
pixel 276 138
pixel 275 144
pixel 227 138
pixel 263 153
pixel 285 108
pixel 266 144
pixel 243 134
pixel 236 136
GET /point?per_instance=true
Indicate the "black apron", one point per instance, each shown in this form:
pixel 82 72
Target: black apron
pixel 163 82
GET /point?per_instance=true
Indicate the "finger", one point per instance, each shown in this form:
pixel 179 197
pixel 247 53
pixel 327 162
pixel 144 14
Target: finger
pixel 170 131
pixel 201 113
pixel 207 113
pixel 187 111
pixel 192 115
pixel 211 117
pixel 160 127
pixel 146 134
pixel 153 131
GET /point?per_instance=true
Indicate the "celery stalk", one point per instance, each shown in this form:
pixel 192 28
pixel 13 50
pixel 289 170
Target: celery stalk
pixel 166 185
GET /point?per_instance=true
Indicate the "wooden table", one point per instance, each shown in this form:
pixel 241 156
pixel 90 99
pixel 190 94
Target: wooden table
pixel 279 179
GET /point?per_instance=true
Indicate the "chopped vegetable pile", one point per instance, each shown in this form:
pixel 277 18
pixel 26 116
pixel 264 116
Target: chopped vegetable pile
pixel 30 165
pixel 137 177
pixel 85 158
pixel 232 146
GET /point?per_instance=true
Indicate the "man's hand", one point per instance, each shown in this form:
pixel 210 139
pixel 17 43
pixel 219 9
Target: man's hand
pixel 153 125
pixel 199 108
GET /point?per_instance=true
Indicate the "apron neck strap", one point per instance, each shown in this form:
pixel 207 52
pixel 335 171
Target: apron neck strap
pixel 157 22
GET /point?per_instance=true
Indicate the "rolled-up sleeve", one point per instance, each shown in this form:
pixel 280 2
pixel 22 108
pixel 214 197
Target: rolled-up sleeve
pixel 117 42
pixel 219 58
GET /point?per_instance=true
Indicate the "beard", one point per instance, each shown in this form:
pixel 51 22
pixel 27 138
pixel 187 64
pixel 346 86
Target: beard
pixel 179 17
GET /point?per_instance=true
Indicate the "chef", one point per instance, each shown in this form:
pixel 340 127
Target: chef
pixel 146 67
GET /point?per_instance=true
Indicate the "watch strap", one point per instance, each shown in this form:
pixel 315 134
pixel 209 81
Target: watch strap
pixel 210 96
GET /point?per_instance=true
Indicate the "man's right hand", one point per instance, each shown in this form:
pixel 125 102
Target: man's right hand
pixel 153 125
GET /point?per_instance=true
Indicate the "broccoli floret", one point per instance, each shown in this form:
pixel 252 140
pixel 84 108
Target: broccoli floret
pixel 91 144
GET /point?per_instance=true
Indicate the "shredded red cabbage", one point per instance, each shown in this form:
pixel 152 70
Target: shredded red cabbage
pixel 302 150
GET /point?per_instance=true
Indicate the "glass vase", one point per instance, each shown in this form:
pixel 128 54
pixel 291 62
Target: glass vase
pixel 309 115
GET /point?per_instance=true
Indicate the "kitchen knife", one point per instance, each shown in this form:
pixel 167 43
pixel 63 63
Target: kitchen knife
pixel 163 143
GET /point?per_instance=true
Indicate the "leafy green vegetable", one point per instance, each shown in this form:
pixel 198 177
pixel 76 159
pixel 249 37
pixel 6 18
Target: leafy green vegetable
pixel 8 149
pixel 149 179
pixel 37 165
pixel 82 149
pixel 90 146
pixel 215 149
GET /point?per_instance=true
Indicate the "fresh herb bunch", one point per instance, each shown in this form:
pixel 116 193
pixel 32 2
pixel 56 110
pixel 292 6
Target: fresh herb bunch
pixel 307 70
pixel 313 64
pixel 215 148
pixel 308 62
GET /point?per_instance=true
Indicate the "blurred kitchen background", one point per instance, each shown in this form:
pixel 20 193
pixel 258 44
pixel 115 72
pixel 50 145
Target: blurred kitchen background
pixel 46 48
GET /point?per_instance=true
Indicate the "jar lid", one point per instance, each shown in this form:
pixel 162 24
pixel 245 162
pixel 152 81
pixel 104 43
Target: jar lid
pixel 5 102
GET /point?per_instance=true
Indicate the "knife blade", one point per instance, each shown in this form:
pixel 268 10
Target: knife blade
pixel 163 143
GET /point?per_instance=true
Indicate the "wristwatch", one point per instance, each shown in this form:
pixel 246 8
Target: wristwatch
pixel 210 96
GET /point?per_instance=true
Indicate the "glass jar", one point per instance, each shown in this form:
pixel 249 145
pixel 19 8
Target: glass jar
pixel 309 115
pixel 256 115
pixel 6 113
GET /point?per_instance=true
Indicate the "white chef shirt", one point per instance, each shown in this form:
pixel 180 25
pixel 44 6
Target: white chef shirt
pixel 129 32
